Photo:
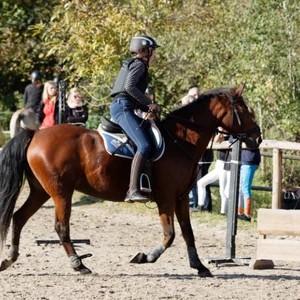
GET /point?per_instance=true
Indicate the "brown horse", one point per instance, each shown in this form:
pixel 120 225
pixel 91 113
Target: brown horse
pixel 58 160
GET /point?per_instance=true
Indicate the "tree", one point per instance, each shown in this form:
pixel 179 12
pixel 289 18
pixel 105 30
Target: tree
pixel 205 43
pixel 20 53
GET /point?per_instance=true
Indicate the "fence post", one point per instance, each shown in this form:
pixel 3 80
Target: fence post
pixel 277 177
pixel 232 211
pixel 233 199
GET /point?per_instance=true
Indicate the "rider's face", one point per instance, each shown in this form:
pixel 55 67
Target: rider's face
pixel 152 57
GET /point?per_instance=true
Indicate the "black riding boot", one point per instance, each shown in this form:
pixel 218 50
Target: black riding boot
pixel 134 193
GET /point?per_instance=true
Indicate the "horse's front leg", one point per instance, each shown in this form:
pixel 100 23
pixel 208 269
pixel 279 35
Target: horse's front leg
pixel 62 227
pixel 166 212
pixel 183 217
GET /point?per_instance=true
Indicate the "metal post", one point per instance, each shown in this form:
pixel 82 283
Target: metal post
pixel 232 211
pixel 233 200
pixel 61 101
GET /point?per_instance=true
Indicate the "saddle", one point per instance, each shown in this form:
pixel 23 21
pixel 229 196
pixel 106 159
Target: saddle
pixel 117 143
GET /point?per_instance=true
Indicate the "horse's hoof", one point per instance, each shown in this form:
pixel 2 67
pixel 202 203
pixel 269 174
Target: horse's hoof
pixel 204 274
pixel 85 271
pixel 5 264
pixel 140 258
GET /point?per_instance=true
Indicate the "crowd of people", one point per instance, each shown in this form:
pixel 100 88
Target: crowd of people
pixel 43 100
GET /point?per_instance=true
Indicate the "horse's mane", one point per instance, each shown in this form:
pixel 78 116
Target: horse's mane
pixel 202 98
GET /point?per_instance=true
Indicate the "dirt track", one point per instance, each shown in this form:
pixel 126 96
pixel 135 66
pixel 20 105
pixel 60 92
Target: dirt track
pixel 117 232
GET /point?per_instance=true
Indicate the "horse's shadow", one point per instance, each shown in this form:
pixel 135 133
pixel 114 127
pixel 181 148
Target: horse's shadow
pixel 191 276
pixel 219 276
pixel 87 200
pixel 83 200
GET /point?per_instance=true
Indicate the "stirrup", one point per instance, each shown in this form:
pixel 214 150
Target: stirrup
pixel 145 185
pixel 136 197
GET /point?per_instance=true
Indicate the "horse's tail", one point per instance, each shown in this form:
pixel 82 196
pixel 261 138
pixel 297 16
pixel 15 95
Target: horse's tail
pixel 12 167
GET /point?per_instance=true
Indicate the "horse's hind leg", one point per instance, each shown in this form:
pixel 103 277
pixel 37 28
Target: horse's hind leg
pixel 34 201
pixel 62 227
pixel 183 217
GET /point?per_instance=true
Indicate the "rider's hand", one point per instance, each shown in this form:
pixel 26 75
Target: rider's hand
pixel 153 107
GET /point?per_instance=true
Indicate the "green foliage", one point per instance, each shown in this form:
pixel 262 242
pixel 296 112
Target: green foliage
pixel 203 43
pixel 2 138
pixel 20 52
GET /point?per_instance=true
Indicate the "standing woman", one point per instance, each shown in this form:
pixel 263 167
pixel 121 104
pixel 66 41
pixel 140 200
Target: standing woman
pixel 129 94
pixel 48 109
pixel 250 160
pixel 76 112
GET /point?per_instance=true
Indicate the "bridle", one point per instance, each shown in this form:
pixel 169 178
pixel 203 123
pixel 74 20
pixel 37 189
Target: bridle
pixel 236 114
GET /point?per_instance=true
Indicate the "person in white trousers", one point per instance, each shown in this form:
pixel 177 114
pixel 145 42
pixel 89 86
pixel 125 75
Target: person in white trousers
pixel 221 172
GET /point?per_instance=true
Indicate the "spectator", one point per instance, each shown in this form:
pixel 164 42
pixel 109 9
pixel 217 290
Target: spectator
pixel 48 109
pixel 57 80
pixel 76 112
pixel 250 160
pixel 33 92
pixel 205 164
pixel 195 92
pixel 187 99
pixel 221 172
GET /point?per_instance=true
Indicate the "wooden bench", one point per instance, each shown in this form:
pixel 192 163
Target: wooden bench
pixel 275 227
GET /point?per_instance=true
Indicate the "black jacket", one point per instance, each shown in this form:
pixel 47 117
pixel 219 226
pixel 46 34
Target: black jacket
pixel 33 96
pixel 76 115
pixel 132 82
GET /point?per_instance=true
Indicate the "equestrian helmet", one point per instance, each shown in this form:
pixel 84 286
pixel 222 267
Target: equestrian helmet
pixel 36 75
pixel 140 42
pixel 57 80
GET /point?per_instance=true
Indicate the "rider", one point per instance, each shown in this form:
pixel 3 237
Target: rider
pixel 33 92
pixel 129 94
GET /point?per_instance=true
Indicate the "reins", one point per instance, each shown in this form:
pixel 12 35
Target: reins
pixel 175 141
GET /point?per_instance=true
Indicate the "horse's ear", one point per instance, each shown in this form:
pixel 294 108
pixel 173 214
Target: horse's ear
pixel 240 89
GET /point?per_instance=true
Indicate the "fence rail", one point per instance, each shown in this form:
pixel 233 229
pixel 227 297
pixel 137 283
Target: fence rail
pixel 277 156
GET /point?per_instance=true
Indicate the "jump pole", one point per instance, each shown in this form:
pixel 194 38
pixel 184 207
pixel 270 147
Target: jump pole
pixel 232 210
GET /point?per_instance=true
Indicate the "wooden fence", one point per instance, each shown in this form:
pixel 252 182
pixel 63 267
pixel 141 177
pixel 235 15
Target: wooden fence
pixel 277 147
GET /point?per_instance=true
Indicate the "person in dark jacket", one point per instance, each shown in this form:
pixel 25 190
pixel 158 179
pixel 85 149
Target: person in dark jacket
pixel 76 112
pixel 33 92
pixel 250 160
pixel 129 95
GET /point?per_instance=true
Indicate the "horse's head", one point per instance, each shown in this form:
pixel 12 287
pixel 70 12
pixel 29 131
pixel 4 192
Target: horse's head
pixel 237 118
